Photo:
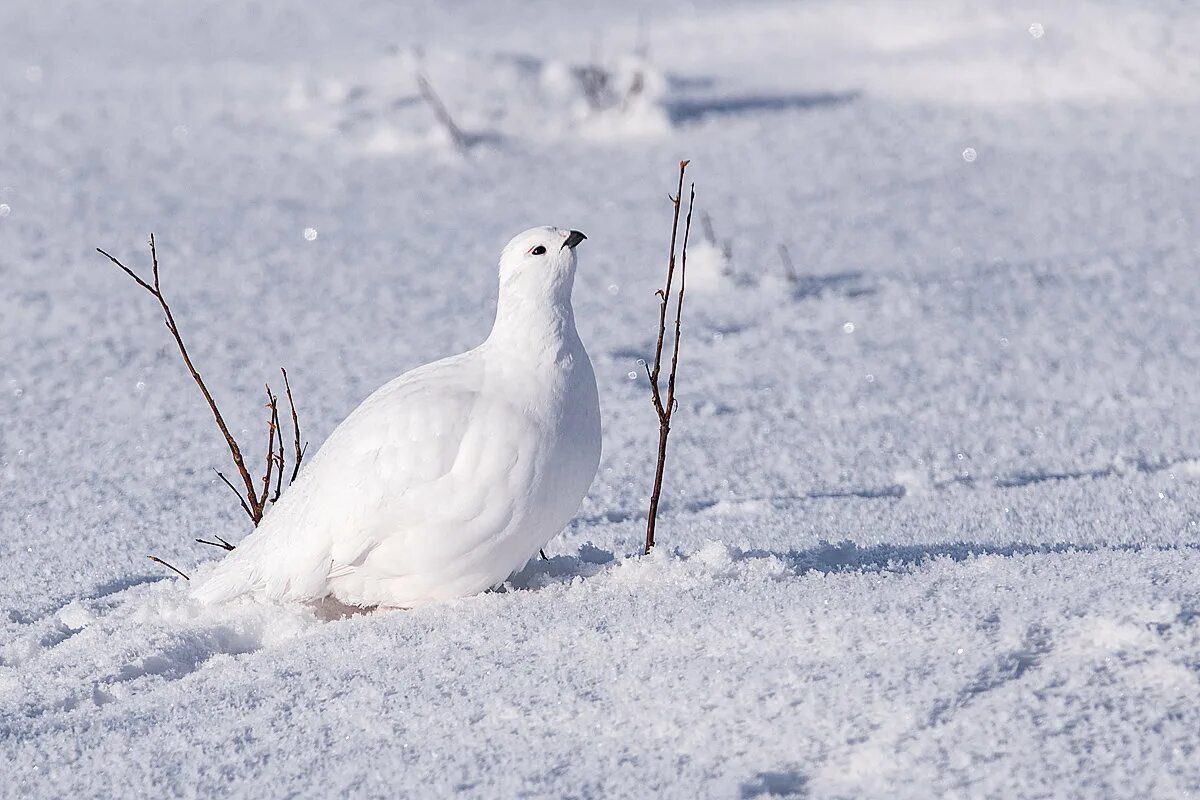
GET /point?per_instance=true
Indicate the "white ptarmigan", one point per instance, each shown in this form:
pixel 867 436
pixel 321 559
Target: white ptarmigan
pixel 451 477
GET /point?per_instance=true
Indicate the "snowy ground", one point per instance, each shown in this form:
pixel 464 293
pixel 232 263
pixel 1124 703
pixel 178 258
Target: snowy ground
pixel 933 505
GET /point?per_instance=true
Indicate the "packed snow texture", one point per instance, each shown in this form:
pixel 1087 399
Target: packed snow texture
pixel 933 499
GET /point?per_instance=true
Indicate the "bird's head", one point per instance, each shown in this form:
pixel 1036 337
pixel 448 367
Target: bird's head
pixel 540 261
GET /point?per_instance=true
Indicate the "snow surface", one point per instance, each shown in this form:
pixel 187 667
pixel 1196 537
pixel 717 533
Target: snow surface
pixel 932 504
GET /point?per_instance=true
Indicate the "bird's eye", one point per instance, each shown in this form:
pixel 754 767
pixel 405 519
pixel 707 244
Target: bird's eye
pixel 540 250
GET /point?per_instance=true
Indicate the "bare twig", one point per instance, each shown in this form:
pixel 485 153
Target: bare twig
pixel 663 295
pixel 280 461
pixel 177 570
pixel 253 504
pixel 251 501
pixel 687 230
pixel 272 427
pixel 443 116
pixel 275 457
pixel 666 409
pixel 221 543
pixel 295 428
pixel 236 493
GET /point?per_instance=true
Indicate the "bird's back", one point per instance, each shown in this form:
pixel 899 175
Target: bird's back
pixel 413 498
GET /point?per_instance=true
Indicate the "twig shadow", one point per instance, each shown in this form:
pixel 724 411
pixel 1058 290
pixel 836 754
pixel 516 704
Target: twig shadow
pixel 688 110
pixel 846 284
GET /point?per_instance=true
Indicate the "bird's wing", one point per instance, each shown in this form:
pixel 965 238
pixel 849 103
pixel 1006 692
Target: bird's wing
pixel 414 478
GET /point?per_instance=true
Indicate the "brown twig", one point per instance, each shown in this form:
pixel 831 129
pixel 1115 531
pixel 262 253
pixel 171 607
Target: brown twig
pixel 443 116
pixel 663 295
pixel 276 456
pixel 272 427
pixel 236 493
pixel 665 410
pixel 295 428
pixel 221 543
pixel 252 503
pixel 158 560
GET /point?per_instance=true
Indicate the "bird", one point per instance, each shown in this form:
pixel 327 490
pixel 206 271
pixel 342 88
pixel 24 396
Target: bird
pixel 450 478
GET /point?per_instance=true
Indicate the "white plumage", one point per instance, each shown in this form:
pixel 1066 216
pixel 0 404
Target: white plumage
pixel 451 477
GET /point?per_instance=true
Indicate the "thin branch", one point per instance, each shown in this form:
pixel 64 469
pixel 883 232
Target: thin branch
pixel 221 543
pixel 280 458
pixel 236 493
pixel 131 274
pixel 664 295
pixel 295 427
pixel 439 111
pixel 272 426
pixel 281 462
pixel 177 570
pixel 253 504
pixel 667 409
pixel 672 403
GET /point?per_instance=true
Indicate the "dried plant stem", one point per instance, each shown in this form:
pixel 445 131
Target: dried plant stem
pixel 300 451
pixel 252 501
pixel 221 543
pixel 253 504
pixel 665 409
pixel 174 569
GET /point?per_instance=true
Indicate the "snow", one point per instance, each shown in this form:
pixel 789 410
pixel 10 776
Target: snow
pixel 931 509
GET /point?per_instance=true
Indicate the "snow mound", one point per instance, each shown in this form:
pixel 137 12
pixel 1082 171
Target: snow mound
pixel 383 109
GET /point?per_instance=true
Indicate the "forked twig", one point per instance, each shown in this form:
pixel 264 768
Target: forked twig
pixel 253 504
pixel 221 543
pixel 666 409
pixel 251 501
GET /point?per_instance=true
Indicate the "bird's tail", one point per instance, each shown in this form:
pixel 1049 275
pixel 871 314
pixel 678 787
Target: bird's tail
pixel 230 578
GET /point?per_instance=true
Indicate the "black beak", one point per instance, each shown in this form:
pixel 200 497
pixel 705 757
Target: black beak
pixel 573 238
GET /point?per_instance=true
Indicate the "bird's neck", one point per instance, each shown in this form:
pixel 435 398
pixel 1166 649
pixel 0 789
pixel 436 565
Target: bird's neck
pixel 535 322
